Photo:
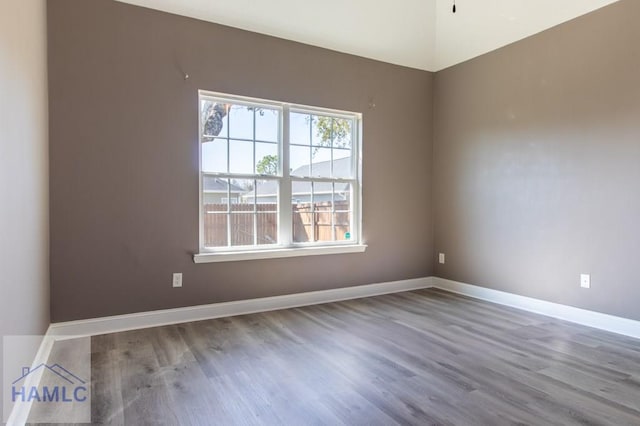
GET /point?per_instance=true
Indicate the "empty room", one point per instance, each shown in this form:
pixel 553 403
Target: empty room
pixel 422 212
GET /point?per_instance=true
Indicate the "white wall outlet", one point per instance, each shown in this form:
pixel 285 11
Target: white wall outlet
pixel 441 258
pixel 177 279
pixel 585 280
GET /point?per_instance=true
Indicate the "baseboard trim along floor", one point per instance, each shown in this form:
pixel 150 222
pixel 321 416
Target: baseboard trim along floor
pixel 97 326
pixel 593 319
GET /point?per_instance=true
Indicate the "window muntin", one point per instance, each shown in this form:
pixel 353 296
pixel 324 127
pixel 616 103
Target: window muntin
pixel 326 215
pixel 259 152
pixel 321 145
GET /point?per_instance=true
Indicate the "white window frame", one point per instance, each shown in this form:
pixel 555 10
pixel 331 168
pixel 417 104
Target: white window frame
pixel 286 247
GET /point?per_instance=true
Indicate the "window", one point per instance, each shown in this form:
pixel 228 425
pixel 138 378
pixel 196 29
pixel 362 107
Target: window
pixel 277 177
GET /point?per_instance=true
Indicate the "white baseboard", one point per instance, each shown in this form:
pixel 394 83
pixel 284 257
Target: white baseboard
pixel 593 319
pixel 92 327
pixel 96 326
pixel 20 412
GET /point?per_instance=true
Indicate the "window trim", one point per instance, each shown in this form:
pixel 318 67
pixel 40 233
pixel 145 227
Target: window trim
pixel 286 246
pixel 277 253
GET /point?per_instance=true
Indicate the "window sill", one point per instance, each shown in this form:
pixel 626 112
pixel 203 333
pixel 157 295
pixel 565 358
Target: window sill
pixel 277 253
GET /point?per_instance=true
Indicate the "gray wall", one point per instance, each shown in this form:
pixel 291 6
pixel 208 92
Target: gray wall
pixel 124 158
pixel 24 233
pixel 537 164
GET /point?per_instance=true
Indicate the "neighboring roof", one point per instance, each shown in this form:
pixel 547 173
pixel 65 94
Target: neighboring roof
pixel 214 184
pixel 341 168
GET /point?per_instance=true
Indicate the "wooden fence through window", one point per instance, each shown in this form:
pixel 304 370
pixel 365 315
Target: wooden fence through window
pixel 309 221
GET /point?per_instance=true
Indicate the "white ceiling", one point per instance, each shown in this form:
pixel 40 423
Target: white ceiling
pixel 421 34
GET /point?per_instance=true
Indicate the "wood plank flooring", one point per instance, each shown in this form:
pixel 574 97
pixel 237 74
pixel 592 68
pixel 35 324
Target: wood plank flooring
pixel 425 357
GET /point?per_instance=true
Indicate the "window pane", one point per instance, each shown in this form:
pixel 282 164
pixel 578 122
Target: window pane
pixel 299 160
pixel 322 192
pixel 302 211
pixel 215 191
pixel 215 228
pixel 321 166
pixel 242 195
pixel 267 124
pixel 213 117
pixel 342 163
pixel 240 157
pixel 331 132
pixel 342 211
pixel 300 192
pixel 321 130
pixel 242 229
pixel 342 196
pixel 323 213
pixel 300 128
pixel 267 161
pixel 214 211
pixel 267 195
pixel 241 122
pixel 342 224
pixel 341 133
pixel 214 156
pixel 267 228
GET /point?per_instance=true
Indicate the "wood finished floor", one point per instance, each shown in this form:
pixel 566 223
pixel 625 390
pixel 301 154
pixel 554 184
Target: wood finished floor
pixel 423 357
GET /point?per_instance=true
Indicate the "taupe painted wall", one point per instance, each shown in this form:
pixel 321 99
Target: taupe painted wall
pixel 124 158
pixel 537 164
pixel 24 189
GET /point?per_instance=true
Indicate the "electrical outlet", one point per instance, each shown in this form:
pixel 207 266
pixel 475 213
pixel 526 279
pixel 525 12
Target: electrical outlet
pixel 585 280
pixel 441 258
pixel 177 279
